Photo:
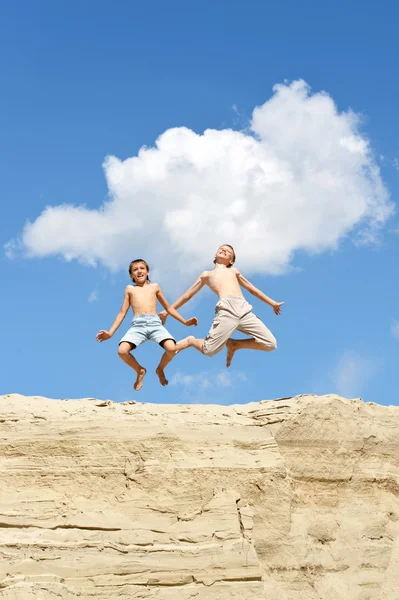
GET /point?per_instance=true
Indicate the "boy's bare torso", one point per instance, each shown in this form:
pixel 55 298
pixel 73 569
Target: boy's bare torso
pixel 223 281
pixel 143 300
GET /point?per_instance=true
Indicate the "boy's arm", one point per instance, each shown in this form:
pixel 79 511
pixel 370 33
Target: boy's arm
pixel 172 311
pixel 188 294
pixel 258 294
pixel 106 335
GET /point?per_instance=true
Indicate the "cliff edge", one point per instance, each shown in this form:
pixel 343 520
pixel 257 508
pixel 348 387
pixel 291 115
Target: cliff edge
pixel 288 499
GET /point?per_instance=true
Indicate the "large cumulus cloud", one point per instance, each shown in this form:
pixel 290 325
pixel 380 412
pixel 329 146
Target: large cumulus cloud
pixel 301 178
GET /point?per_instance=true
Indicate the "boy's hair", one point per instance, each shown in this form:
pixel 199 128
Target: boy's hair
pixel 234 255
pixel 137 261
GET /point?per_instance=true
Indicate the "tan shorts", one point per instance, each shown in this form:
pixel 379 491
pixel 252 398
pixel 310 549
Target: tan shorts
pixel 234 313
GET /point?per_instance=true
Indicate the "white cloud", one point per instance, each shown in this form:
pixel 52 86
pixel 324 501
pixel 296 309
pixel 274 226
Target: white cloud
pixel 395 329
pixel 224 379
pixel 187 381
pixel 301 178
pixel 228 378
pixel 395 163
pixel 10 249
pixel 203 381
pixel 93 296
pixel 352 374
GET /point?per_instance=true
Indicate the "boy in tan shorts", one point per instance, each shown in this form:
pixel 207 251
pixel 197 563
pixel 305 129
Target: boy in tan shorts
pixel 232 313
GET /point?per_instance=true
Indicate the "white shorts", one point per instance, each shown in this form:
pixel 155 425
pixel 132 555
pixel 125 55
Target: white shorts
pixel 234 313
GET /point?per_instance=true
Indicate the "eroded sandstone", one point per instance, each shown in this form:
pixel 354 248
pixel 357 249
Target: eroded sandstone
pixel 290 499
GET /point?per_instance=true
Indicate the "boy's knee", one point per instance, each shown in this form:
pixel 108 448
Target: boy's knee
pixel 169 346
pixel 123 351
pixel 270 344
pixel 209 350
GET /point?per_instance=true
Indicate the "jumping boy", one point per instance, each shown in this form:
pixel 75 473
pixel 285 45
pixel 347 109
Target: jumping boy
pixel 232 313
pixel 146 324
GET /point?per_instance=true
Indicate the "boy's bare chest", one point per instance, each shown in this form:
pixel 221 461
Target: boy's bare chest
pixel 219 280
pixel 144 296
pixel 221 277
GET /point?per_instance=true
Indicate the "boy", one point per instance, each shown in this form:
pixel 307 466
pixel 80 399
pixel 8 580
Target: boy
pixel 146 325
pixel 232 311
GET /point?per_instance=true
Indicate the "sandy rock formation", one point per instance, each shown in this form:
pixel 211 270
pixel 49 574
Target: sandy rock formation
pixel 291 499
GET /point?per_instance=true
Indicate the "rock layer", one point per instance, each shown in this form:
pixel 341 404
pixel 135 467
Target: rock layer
pixel 291 499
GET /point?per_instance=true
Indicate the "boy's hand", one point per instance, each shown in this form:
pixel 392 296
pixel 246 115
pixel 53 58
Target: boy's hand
pixel 103 335
pixel 163 316
pixel 276 307
pixel 192 321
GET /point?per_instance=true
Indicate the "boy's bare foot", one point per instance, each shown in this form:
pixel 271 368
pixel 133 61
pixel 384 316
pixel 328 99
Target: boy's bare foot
pixel 161 375
pixel 139 381
pixel 230 352
pixel 183 344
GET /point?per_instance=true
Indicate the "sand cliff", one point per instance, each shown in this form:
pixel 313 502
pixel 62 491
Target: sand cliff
pixel 291 499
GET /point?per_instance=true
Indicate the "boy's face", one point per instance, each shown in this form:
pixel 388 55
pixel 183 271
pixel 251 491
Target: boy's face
pixel 225 255
pixel 139 272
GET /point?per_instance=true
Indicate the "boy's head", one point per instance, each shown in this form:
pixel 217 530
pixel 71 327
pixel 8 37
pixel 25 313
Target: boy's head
pixel 225 255
pixel 139 270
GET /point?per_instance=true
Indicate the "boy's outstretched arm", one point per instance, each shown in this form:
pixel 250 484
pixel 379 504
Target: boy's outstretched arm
pixel 103 335
pixel 172 311
pixel 276 306
pixel 188 294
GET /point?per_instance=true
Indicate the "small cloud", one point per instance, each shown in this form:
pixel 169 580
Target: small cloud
pixel 395 329
pixel 11 248
pixel 352 373
pixel 395 164
pixel 93 296
pixel 189 381
pixel 228 379
pixel 222 379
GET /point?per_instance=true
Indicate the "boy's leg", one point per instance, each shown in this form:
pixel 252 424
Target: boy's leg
pixel 124 351
pixel 170 350
pixel 261 337
pixel 189 342
pixel 223 326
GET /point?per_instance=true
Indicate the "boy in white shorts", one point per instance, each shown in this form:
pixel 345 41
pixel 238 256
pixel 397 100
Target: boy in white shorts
pixel 232 313
pixel 146 325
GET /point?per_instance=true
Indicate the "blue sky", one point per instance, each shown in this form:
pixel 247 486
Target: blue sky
pixel 85 81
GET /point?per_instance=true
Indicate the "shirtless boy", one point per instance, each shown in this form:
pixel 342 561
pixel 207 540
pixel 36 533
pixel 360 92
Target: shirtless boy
pixel 232 313
pixel 146 325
